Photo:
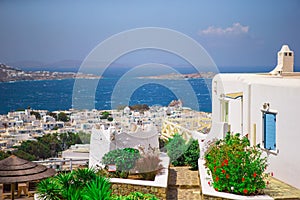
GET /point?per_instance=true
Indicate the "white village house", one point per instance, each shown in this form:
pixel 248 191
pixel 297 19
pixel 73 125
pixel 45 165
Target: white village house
pixel 264 107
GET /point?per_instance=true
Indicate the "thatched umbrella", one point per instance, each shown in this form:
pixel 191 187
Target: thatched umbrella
pixel 15 170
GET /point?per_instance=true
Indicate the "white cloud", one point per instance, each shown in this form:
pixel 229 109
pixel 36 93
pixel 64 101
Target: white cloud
pixel 235 29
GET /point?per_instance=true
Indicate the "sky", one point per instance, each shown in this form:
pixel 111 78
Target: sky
pixel 235 33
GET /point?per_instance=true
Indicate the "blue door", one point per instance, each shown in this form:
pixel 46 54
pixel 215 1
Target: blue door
pixel 270 131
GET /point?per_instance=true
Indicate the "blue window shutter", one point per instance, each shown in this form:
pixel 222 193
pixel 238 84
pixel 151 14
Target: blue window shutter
pixel 270 131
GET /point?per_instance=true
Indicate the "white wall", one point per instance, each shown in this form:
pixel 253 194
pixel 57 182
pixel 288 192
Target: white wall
pixel 284 100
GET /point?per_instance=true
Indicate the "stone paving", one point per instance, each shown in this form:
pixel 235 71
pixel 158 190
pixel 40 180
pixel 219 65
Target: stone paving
pixel 280 190
pixel 183 184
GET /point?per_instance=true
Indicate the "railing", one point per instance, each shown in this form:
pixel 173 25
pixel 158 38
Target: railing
pixel 61 162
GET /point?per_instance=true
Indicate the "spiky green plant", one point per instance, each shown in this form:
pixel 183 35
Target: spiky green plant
pixel 47 189
pixel 97 189
pixel 76 185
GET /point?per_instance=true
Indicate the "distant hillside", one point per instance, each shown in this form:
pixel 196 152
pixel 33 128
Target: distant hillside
pixel 8 74
pixel 60 66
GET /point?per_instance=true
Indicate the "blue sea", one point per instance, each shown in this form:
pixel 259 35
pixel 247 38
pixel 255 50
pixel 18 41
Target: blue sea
pixel 57 94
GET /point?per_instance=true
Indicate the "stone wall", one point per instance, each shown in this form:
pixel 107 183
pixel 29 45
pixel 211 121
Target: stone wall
pixel 125 189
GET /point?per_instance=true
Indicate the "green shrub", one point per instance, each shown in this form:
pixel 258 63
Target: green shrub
pixel 176 147
pixel 124 159
pixel 182 153
pixel 235 166
pixel 191 155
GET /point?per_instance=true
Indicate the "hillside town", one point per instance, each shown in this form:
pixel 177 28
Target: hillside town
pixel 28 124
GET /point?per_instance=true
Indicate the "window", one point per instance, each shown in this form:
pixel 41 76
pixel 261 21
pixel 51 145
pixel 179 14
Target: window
pixel 290 54
pixel 269 130
pixel 285 53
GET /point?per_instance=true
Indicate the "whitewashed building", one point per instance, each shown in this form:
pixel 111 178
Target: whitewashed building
pixel 264 107
pixel 111 136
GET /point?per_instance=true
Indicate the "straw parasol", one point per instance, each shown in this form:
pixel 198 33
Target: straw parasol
pixel 15 170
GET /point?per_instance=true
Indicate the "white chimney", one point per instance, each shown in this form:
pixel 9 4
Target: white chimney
pixel 285 61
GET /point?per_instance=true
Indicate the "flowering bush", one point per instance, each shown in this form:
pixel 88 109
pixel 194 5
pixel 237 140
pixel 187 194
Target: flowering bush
pixel 235 166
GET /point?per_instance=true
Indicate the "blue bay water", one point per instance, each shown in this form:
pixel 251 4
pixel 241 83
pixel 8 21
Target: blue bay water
pixel 57 94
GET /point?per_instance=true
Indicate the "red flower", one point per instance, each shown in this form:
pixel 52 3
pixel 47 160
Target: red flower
pixel 223 171
pixel 254 175
pixel 208 182
pixel 222 164
pixel 216 189
pixel 245 191
pixel 226 162
pixel 272 174
pixel 243 179
pixel 227 176
pixel 215 168
pixel 217 178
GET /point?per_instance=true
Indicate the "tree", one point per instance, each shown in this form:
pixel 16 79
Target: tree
pixel 63 117
pixel 3 155
pixel 104 115
pixel 24 155
pixel 36 114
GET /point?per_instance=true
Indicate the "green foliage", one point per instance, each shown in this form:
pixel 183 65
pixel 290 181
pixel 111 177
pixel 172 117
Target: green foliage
pixel 104 115
pixel 235 166
pixel 176 147
pixel 37 149
pixel 24 155
pixel 36 114
pixel 182 153
pixel 192 154
pixel 63 117
pixel 124 159
pixel 3 155
pixel 136 196
pixel 110 119
pixel 52 115
pixel 48 190
pixel 46 146
pixel 99 189
pixel 81 184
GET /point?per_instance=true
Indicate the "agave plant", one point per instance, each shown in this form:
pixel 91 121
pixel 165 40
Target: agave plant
pixel 98 189
pixel 79 184
pixel 47 189
pixel 84 176
pixel 66 183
